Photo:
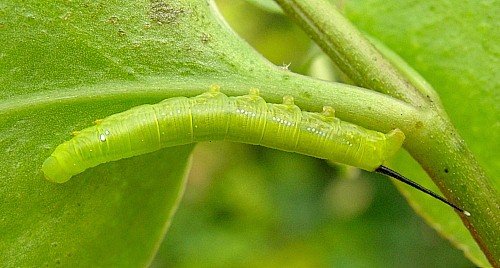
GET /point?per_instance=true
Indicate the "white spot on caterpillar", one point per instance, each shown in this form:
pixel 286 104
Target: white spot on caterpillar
pixel 281 121
pixel 102 136
pixel 248 113
pixel 316 131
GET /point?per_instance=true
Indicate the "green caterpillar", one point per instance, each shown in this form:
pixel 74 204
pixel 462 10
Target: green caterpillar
pixel 215 116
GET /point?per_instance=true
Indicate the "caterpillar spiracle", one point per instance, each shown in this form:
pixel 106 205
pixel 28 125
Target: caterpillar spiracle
pixel 215 116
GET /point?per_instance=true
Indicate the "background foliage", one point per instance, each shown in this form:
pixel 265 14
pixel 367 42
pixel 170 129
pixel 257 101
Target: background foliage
pixel 64 64
pixel 346 212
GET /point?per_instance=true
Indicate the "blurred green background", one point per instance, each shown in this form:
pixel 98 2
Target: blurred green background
pixel 248 206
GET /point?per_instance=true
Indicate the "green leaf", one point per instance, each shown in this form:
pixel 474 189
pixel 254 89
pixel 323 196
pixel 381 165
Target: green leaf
pixel 64 64
pixel 455 48
pixel 269 6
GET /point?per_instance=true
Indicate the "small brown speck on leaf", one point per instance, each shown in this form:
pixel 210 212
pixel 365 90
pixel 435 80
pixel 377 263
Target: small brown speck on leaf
pixel 164 13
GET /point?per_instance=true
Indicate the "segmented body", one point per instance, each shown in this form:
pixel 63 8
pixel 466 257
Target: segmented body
pixel 215 116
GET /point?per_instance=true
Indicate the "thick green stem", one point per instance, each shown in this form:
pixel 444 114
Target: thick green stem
pixel 432 141
pixel 348 48
pixel 445 157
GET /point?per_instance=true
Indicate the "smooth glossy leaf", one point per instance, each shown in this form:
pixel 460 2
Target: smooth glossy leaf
pixel 454 46
pixel 64 64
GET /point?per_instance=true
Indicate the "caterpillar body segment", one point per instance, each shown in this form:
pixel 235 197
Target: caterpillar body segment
pixel 215 116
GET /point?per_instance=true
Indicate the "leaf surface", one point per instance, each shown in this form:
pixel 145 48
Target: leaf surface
pixel 453 46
